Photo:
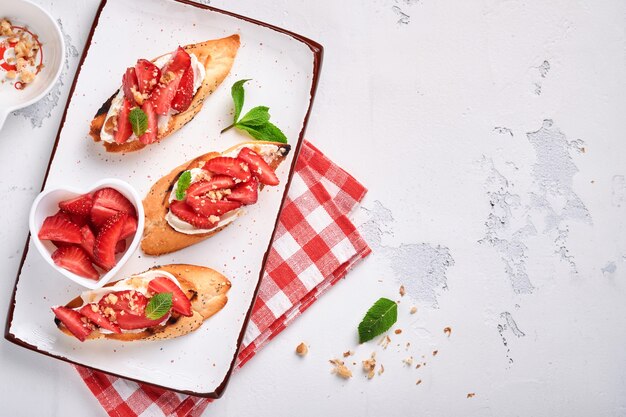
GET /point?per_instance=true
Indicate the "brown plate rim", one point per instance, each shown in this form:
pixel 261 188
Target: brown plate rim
pixel 318 52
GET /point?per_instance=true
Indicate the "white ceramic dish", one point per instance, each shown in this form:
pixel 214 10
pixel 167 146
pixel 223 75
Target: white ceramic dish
pixel 25 13
pixel 46 204
pixel 285 69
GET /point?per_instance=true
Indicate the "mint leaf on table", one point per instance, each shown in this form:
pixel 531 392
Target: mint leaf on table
pixel 138 121
pixel 159 305
pixel 267 132
pixel 184 181
pixel 257 116
pixel 237 92
pixel 257 121
pixel 378 319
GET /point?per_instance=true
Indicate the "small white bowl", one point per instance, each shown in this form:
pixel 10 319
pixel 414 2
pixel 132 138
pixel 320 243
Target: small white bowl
pixel 38 21
pixel 47 204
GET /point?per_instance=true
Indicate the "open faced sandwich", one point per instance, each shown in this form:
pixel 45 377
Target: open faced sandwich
pixel 161 303
pixel 159 97
pixel 203 196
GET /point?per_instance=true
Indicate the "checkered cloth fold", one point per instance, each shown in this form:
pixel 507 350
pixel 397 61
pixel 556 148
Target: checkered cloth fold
pixel 315 245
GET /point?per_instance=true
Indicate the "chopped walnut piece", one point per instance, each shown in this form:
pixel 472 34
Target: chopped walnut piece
pixel 340 369
pixel 413 310
pixel 27 76
pixel 369 366
pixel 347 353
pixel 447 331
pixel 5 28
pixel 11 75
pixel 302 349
pixel 471 394
pixel 408 361
pixel 402 291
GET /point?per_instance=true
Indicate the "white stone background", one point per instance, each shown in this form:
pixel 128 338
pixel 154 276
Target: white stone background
pixel 490 134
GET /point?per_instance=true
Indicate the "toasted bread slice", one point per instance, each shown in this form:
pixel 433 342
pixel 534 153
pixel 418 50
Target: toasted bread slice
pixel 159 237
pixel 205 288
pixel 217 56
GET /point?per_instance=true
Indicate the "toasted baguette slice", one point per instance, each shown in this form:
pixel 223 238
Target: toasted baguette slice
pixel 217 56
pixel 159 237
pixel 205 288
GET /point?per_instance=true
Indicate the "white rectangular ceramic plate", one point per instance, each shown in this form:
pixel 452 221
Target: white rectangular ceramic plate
pixel 284 68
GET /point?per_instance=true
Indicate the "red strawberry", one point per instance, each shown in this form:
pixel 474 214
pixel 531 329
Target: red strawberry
pixel 73 320
pixel 245 192
pixel 93 313
pixel 106 203
pixel 148 75
pixel 129 83
pixel 124 129
pixel 108 236
pixel 165 91
pixel 153 128
pixel 130 227
pixel 217 182
pixel 79 220
pixel 259 167
pixel 180 302
pixel 75 260
pixel 129 301
pixel 232 167
pixel 80 205
pixel 120 246
pixel 181 210
pixel 59 228
pixel 59 244
pixel 184 93
pixel 88 240
pixel 204 206
pixel 135 321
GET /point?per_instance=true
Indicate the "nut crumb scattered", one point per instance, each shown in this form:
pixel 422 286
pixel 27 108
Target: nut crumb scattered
pixel 419 381
pixel 435 352
pixel 471 394
pixel 418 366
pixel 384 342
pixel 369 366
pixel 402 291
pixel 340 369
pixel 302 349
pixel 348 353
pixel 447 331
pixel 408 361
pixel 381 370
pixel 398 331
pixel 413 310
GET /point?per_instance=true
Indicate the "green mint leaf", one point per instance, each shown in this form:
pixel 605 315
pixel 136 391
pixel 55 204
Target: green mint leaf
pixel 256 117
pixel 138 121
pixel 159 305
pixel 238 95
pixel 267 132
pixel 378 319
pixel 184 181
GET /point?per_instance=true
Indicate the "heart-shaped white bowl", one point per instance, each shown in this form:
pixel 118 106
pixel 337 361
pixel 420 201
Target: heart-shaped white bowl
pixel 47 204
pixel 25 13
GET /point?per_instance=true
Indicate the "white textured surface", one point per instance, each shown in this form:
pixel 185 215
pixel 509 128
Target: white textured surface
pixel 514 240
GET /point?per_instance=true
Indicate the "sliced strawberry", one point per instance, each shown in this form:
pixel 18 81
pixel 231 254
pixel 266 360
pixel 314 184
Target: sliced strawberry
pixel 59 228
pixel 245 192
pixel 75 260
pixel 113 199
pixel 259 167
pixel 80 205
pixel 108 236
pixel 79 220
pixel 217 182
pixel 134 321
pixel 151 133
pixel 120 246
pixel 130 227
pixel 180 302
pixel 93 313
pixel 165 91
pixel 100 214
pixel 88 240
pixel 129 83
pixel 73 320
pixel 129 301
pixel 59 244
pixel 181 210
pixel 184 93
pixel 204 206
pixel 124 129
pixel 148 75
pixel 233 167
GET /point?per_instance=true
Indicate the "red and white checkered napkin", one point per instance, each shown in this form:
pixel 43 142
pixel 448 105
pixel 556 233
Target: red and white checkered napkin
pixel 314 246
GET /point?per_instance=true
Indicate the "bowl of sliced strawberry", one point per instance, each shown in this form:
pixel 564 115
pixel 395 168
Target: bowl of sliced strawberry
pixel 87 235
